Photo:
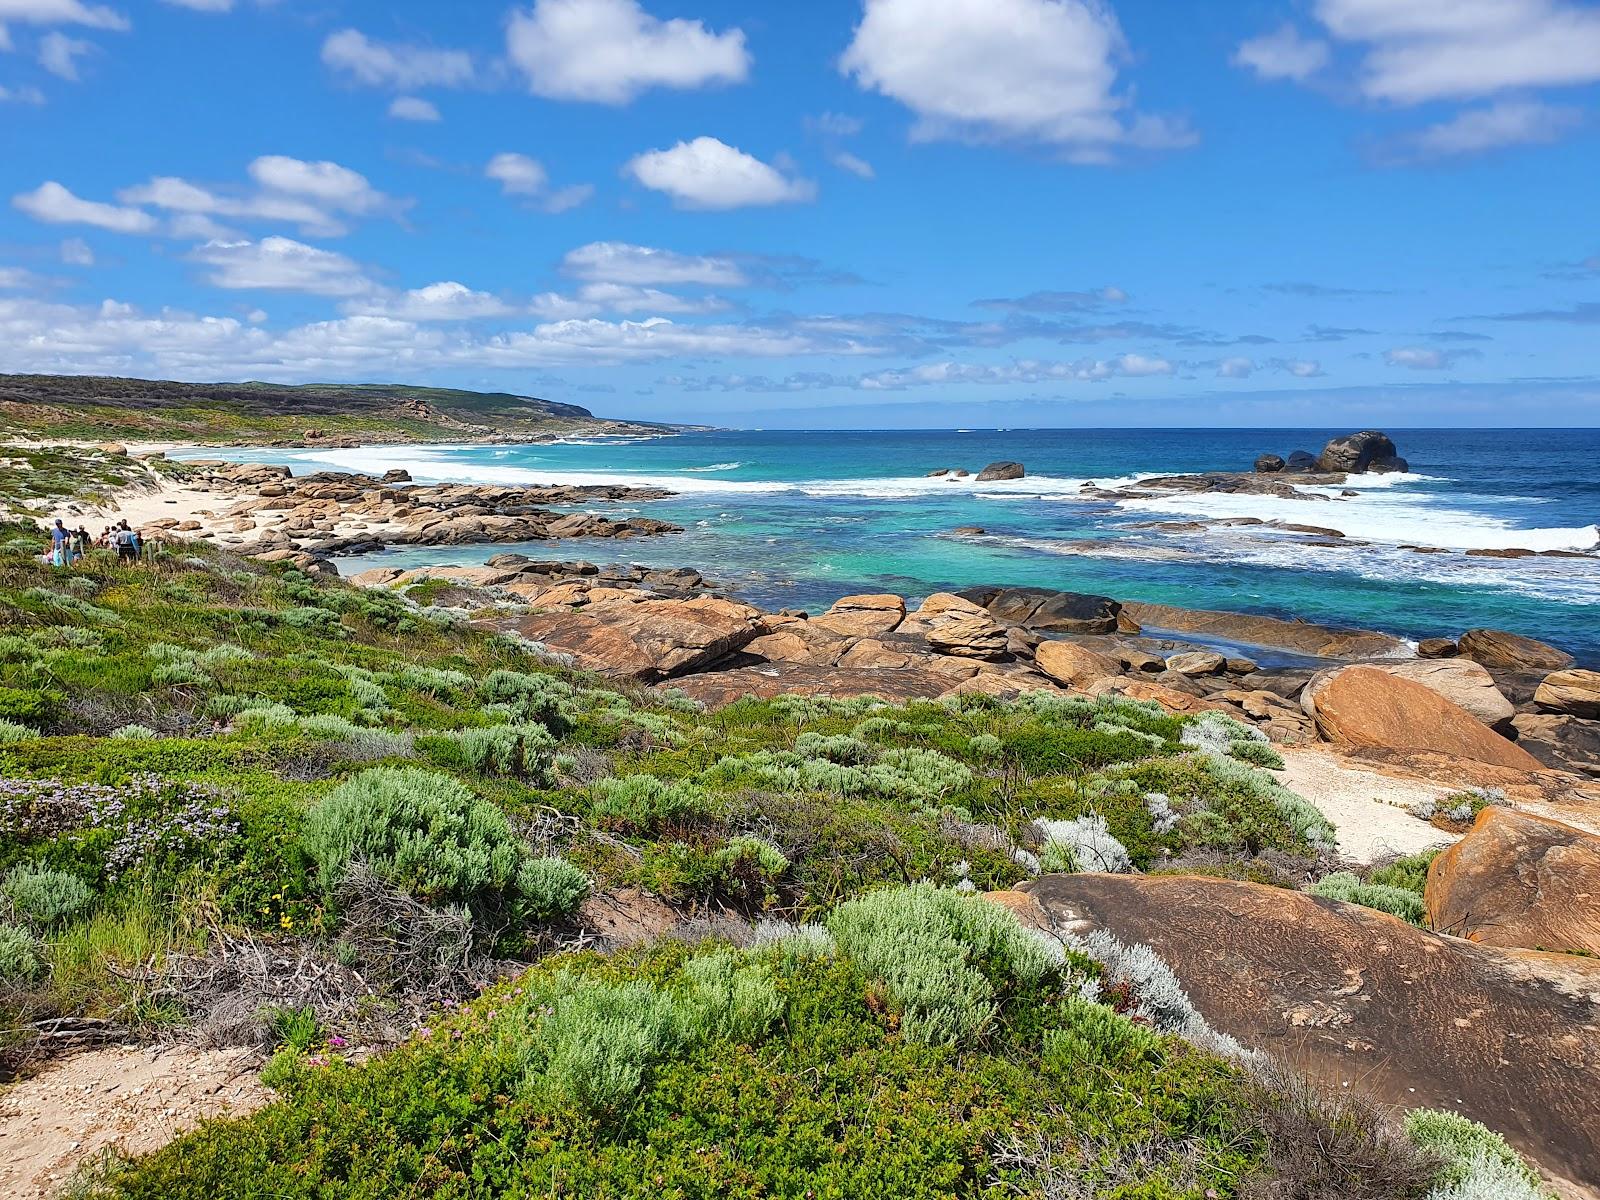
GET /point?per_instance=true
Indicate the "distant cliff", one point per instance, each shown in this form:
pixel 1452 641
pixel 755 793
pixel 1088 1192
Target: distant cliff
pixel 90 406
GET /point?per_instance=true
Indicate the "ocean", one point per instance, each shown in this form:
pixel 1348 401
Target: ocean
pixel 796 519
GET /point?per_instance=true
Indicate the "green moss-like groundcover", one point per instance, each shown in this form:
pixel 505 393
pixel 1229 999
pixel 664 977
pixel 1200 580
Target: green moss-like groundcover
pixel 830 1100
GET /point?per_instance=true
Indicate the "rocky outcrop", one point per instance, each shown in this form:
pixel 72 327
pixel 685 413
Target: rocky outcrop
pixel 1356 453
pixel 1561 743
pixel 1352 994
pixel 996 471
pixel 1074 665
pixel 1321 641
pixel 647 640
pixel 1269 464
pixel 862 616
pixel 1365 707
pixel 1519 880
pixel 1462 682
pixel 1575 693
pixel 1511 651
pixel 1041 608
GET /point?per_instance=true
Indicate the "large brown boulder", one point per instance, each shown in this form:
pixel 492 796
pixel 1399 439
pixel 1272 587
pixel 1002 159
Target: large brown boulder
pixel 1462 682
pixel 1519 880
pixel 863 616
pixel 1357 997
pixel 1041 608
pixel 1074 665
pixel 648 640
pixel 1561 742
pixel 1511 651
pixel 1367 708
pixel 1576 693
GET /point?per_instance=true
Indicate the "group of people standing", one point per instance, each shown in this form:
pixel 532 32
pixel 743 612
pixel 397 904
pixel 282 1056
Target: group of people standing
pixel 67 546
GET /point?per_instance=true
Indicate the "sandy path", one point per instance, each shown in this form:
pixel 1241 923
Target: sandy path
pixel 1369 809
pixel 130 1098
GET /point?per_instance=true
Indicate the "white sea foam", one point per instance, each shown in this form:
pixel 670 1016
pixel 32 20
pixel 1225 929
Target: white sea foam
pixel 727 466
pixel 1386 513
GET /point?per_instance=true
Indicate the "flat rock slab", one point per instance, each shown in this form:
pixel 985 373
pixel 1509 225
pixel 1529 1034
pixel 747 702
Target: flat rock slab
pixel 765 680
pixel 1519 880
pixel 1350 993
pixel 1321 641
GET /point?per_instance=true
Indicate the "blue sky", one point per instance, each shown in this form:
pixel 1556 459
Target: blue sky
pixel 838 213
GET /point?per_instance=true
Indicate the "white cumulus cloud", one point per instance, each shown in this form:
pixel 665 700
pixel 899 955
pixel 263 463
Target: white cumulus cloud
pixel 394 65
pixel 59 54
pixel 62 12
pixel 710 174
pixel 1421 50
pixel 1006 70
pixel 281 264
pixel 53 203
pixel 609 51
pixel 643 266
pixel 1283 54
pixel 413 108
pixel 443 301
pixel 1500 125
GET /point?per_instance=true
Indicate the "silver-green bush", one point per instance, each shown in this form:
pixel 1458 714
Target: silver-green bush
pixel 44 895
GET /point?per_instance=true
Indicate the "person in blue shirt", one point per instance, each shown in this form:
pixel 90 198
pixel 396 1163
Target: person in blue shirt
pixel 60 545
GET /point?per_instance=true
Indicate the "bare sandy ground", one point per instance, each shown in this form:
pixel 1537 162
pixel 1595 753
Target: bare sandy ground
pixel 1369 809
pixel 132 1099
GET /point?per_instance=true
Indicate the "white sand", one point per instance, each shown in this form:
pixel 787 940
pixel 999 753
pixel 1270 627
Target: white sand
pixel 1369 809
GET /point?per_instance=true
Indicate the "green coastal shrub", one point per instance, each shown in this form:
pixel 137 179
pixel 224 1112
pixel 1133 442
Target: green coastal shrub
pixel 423 832
pixel 523 750
pixel 19 954
pixel 1476 1159
pixel 1093 1035
pixel 597 1042
pixel 945 958
pixel 134 733
pixel 642 803
pixel 1409 872
pixel 551 886
pixel 1399 902
pixel 730 995
pixel 43 895
pixel 11 733
pixel 539 698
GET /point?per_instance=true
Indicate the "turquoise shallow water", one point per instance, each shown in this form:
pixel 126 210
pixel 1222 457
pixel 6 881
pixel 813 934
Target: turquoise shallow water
pixel 799 518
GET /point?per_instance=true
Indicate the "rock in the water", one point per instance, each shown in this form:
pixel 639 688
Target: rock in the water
pixel 1197 662
pixel 1350 993
pixel 1437 647
pixel 1462 682
pixel 1355 453
pixel 1000 470
pixel 1301 460
pixel 1511 651
pixel 1268 464
pixel 1074 665
pixel 1519 880
pixel 1369 708
pixel 1574 692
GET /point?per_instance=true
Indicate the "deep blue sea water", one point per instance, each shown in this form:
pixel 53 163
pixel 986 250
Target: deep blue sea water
pixel 800 518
